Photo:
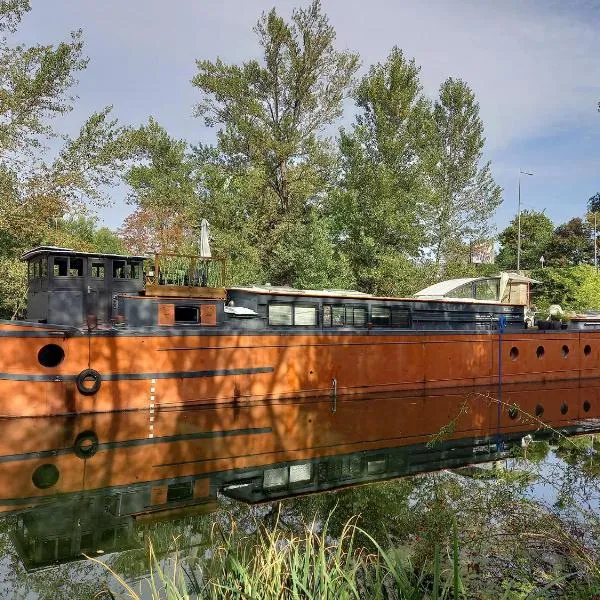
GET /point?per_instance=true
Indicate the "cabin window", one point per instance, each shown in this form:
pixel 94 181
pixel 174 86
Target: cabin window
pixel 359 316
pixel 97 270
pixel 76 267
pixel 280 314
pixel 179 492
pixel 61 266
pixel 30 270
pixel 36 269
pixel 292 314
pixel 305 315
pixel 400 317
pixel 340 315
pixel 186 314
pixel 44 264
pixel 381 316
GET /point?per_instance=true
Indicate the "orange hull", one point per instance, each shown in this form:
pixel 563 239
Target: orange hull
pixel 141 372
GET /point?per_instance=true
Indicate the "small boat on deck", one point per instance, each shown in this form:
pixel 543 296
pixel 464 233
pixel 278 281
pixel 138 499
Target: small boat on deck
pixel 109 333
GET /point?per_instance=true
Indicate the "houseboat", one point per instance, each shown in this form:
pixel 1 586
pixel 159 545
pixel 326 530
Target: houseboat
pixel 106 333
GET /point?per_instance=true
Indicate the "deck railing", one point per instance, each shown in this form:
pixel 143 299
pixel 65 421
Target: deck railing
pixel 186 271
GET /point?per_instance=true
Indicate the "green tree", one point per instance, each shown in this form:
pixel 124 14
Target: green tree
pixel 464 195
pixel 574 288
pixel 36 192
pixel 571 244
pixel 378 206
pixel 536 234
pixel 272 116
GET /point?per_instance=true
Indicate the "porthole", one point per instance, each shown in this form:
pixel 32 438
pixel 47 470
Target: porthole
pixel 539 410
pixel 565 351
pixel 540 351
pixel 514 353
pixel 45 476
pixel 51 355
pixel 586 406
pixel 513 412
pixel 587 350
pixel 564 408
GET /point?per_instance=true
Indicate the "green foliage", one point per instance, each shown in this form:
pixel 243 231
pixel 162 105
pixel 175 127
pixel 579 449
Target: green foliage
pixel 574 288
pixel 377 206
pixel 571 244
pixel 464 194
pixel 536 233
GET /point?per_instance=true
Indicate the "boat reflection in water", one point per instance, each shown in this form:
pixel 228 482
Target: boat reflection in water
pixel 78 484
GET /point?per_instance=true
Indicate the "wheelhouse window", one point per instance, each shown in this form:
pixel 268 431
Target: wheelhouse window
pixel 61 266
pixel 97 270
pixel 126 269
pixel 292 314
pixel 186 314
pixel 75 267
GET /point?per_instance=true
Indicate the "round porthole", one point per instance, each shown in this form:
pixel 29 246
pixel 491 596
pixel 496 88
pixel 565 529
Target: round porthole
pixel 564 408
pixel 86 444
pixel 586 406
pixel 513 412
pixel 51 355
pixel 587 350
pixel 540 351
pixel 45 476
pixel 539 410
pixel 514 353
pixel 565 351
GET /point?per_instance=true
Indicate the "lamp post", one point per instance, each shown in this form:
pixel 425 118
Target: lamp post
pixel 519 223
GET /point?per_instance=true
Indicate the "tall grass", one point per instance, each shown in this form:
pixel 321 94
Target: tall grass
pixel 311 566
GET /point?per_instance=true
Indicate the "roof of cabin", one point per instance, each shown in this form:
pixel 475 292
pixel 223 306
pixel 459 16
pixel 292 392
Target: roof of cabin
pixel 444 287
pixel 42 250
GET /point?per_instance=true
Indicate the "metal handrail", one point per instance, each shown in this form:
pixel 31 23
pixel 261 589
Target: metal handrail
pixel 187 270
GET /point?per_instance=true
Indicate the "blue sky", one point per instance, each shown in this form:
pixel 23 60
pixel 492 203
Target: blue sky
pixel 535 69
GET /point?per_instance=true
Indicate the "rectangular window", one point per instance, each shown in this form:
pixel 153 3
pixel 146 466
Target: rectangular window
pixel 186 314
pixel 305 315
pixel 61 265
pixel 280 314
pixel 359 316
pixel 338 316
pixel 119 269
pixel 76 267
pixel 401 318
pixel 97 270
pixel 381 316
pixel 135 269
pixel 45 266
pixel 178 492
pixel 36 269
pixel 30 268
pixel 327 315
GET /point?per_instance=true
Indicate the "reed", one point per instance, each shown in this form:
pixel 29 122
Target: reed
pixel 272 566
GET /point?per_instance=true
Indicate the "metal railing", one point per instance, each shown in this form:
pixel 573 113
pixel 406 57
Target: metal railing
pixel 187 271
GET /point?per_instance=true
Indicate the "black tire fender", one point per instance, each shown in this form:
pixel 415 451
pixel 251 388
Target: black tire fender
pixel 86 444
pixel 83 382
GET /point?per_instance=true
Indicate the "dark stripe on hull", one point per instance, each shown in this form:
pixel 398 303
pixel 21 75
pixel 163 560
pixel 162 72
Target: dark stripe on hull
pixel 139 376
pixel 141 442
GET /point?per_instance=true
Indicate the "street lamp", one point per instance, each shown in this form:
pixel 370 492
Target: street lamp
pixel 519 223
